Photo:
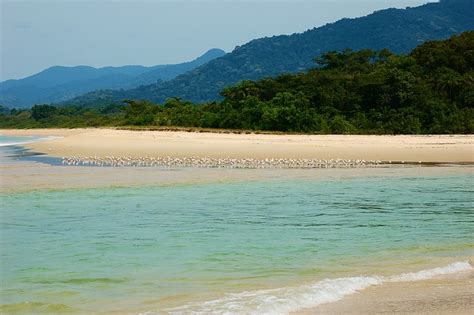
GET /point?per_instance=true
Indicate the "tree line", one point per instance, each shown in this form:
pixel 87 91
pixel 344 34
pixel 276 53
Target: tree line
pixel 429 91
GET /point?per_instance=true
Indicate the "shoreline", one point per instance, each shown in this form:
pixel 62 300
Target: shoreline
pixel 441 295
pixel 452 294
pixel 434 289
pixel 27 176
pixel 444 294
pixel 101 143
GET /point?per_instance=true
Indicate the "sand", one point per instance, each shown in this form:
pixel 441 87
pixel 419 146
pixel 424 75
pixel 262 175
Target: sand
pixel 28 176
pixel 451 295
pixel 111 142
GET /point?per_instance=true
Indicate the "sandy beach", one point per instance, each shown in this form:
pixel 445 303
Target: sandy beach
pixel 110 142
pixel 453 294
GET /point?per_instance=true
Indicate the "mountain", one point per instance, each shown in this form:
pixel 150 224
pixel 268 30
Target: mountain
pixel 57 84
pixel 429 91
pixel 398 30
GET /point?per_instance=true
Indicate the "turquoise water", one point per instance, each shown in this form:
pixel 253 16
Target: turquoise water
pixel 14 140
pixel 11 150
pixel 262 247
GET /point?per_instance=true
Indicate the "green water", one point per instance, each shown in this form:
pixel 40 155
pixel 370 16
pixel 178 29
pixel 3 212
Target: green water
pixel 157 248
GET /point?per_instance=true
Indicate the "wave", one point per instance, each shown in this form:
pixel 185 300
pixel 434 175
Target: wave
pixel 286 300
pixel 36 308
pixel 431 273
pixel 26 141
pixel 6 144
pixel 83 281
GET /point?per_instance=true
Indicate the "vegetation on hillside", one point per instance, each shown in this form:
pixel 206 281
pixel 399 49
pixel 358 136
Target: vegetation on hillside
pixel 399 30
pixel 431 90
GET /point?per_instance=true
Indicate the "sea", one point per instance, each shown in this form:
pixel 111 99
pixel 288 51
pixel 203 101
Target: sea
pixel 230 247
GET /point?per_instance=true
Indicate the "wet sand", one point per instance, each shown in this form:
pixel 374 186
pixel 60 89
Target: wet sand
pixel 452 294
pixel 126 143
pixel 28 176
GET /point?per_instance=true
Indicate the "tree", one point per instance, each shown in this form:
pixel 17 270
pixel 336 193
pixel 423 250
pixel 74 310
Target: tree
pixel 39 112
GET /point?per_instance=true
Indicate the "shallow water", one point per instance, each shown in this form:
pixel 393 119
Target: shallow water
pixel 11 150
pixel 262 247
pixel 230 247
pixel 17 140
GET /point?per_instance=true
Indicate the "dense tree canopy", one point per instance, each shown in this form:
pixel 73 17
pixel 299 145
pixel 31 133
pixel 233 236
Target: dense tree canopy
pixel 431 90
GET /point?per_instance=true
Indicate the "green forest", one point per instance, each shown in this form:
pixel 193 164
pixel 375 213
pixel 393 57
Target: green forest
pixel 429 91
pixel 399 30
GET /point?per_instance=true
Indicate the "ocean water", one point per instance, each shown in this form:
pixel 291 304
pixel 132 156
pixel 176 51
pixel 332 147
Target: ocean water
pixel 11 150
pixel 18 140
pixel 260 247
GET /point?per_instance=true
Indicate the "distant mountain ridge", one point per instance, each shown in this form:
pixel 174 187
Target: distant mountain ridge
pixel 57 84
pixel 398 30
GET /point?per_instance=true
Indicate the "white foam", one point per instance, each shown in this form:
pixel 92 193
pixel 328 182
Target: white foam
pixel 286 300
pixel 282 300
pixel 431 273
pixel 5 144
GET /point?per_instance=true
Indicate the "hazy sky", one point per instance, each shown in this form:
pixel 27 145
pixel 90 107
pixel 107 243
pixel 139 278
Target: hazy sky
pixel 36 34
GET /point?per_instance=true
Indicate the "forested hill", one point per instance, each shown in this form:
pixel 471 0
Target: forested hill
pixel 57 84
pixel 429 91
pixel 398 30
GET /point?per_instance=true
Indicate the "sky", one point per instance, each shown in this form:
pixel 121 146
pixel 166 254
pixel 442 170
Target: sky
pixel 37 34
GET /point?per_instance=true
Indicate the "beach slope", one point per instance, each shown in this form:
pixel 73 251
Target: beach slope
pixel 112 142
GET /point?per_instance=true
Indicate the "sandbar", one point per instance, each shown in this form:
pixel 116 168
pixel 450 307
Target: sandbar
pixel 103 142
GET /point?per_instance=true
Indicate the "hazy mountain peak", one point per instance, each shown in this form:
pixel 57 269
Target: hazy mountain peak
pixel 59 83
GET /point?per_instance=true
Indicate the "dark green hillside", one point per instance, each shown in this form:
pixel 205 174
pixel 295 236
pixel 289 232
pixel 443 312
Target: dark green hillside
pixel 394 29
pixel 431 90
